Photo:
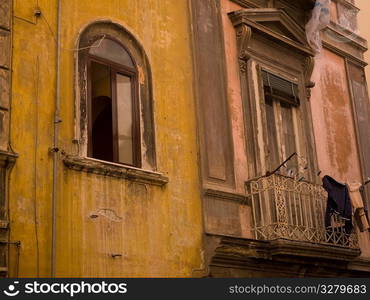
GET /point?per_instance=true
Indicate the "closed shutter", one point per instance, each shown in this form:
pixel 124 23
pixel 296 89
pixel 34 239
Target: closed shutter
pixel 280 88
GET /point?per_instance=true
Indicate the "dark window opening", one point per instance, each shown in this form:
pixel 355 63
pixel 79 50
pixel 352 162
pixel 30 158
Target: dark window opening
pixel 102 130
pixel 114 126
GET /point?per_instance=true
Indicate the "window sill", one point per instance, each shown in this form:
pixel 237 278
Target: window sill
pixel 90 165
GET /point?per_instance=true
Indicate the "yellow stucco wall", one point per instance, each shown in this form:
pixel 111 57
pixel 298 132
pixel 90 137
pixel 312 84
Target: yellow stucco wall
pixel 158 232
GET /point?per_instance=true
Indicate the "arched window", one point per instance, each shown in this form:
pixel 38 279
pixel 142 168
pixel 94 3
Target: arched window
pixel 114 125
pixel 115 98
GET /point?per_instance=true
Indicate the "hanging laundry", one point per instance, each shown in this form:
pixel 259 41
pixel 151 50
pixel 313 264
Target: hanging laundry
pixel 338 203
pixel 319 20
pixel 358 206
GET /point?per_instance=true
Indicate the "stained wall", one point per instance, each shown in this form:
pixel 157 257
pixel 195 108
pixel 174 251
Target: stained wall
pixel 141 229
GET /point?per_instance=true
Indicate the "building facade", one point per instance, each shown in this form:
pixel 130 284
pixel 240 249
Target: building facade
pixel 363 29
pixel 281 98
pixel 148 138
pixel 72 216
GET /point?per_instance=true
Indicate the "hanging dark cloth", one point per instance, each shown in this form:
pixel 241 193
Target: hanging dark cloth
pixel 339 202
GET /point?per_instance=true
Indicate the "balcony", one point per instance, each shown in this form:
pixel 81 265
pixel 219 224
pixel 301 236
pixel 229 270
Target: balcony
pixel 286 209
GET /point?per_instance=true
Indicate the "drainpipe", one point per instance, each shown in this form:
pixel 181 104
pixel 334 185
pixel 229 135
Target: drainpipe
pixel 55 149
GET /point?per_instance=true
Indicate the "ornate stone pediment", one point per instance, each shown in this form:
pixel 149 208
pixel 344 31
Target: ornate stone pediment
pixel 272 22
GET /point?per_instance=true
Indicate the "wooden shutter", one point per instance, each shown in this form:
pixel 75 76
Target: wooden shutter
pixel 280 88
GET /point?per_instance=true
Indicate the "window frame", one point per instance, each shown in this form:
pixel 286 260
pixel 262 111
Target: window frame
pixel 296 113
pixel 277 105
pixel 132 73
pixel 260 43
pixel 278 102
pixel 88 35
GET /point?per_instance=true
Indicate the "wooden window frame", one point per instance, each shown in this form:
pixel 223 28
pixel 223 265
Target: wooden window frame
pixel 132 73
pixel 277 103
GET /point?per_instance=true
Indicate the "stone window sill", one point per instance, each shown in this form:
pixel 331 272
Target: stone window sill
pixel 95 166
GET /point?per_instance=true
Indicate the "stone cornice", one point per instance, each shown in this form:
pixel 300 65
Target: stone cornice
pixel 226 195
pixel 348 4
pixel 234 252
pixel 348 36
pixel 257 20
pixel 245 3
pixel 254 4
pixel 103 168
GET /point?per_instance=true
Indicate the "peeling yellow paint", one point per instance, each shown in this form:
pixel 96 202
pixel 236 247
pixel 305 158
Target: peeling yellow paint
pixel 141 230
pixel 141 75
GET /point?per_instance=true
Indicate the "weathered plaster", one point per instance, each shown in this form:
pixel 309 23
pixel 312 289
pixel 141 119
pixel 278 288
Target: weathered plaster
pixel 332 119
pixel 160 230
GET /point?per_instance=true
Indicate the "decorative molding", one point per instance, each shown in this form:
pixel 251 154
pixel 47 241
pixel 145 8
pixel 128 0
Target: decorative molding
pixel 226 195
pixel 308 66
pixel 237 252
pixel 103 168
pixel 229 256
pixel 249 3
pixel 308 4
pixel 348 36
pixel 348 4
pixel 360 263
pixel 353 59
pixel 257 19
pixel 243 37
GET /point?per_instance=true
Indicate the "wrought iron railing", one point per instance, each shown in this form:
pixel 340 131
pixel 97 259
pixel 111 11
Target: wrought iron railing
pixel 285 208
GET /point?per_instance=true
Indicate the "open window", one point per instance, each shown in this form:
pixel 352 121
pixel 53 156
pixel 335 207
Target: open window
pixel 114 100
pixel 275 67
pixel 281 99
pixel 114 124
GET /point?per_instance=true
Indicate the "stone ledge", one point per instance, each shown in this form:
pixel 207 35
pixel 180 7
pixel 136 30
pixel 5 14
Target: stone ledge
pixel 348 36
pixel 306 249
pixel 240 249
pixel 308 4
pixel 219 194
pixel 103 168
pixel 229 256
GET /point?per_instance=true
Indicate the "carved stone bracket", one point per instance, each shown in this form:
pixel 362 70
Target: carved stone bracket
pixel 308 66
pixel 243 37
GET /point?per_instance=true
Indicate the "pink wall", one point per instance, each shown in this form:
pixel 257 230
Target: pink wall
pixel 331 108
pixel 332 119
pixel 333 123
